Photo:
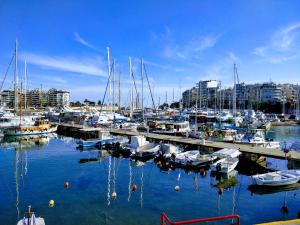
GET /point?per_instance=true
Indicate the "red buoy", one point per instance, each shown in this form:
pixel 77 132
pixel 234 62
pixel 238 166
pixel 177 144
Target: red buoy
pixel 66 185
pixel 134 187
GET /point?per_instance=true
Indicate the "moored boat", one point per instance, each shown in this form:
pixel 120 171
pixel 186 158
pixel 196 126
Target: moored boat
pixel 278 178
pixel 40 127
pixel 225 165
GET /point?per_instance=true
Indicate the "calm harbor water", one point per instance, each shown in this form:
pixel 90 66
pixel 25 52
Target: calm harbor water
pixel 34 174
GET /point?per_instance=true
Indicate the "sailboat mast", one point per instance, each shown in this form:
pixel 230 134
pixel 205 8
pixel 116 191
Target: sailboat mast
pixel 131 88
pixel 234 92
pixel 20 124
pixel 16 77
pixel 142 74
pixel 119 93
pixel 109 71
pixel 25 84
pixel 113 92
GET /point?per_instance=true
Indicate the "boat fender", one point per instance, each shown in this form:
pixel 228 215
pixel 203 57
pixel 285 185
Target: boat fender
pixel 177 188
pixel 134 187
pixel 66 185
pixel 51 203
pixel 114 195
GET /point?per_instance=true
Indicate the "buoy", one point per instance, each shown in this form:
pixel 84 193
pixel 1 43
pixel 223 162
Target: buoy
pixel 51 203
pixel 66 185
pixel 114 195
pixel 177 188
pixel 220 190
pixel 134 187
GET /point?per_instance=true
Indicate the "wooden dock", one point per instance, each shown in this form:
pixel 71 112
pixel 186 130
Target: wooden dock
pixel 272 153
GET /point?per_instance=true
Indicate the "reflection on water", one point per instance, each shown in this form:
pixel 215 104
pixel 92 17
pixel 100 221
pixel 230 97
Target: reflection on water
pixel 109 190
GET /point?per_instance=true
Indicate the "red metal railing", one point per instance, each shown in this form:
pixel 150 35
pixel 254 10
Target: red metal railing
pixel 165 218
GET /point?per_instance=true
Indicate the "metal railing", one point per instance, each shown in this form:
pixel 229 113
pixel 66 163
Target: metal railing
pixel 165 218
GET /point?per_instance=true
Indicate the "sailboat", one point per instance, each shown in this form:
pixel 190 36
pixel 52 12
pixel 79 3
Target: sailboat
pixel 39 127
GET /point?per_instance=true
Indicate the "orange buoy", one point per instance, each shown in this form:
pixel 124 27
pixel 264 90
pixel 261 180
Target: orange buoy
pixel 66 185
pixel 134 187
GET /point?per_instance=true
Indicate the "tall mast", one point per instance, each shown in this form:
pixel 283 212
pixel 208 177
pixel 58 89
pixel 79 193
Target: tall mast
pixel 16 77
pixel 113 93
pixel 142 74
pixel 196 122
pixel 173 96
pixel 131 88
pixel 20 124
pixel 25 85
pixel 234 92
pixel 109 71
pixel 200 92
pixel 119 100
pixel 298 101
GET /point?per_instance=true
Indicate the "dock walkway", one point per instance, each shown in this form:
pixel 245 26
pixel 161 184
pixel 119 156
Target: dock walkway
pixel 272 153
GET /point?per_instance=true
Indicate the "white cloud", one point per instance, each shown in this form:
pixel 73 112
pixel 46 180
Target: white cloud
pixel 88 66
pixel 282 46
pixel 284 38
pixel 190 49
pixel 80 40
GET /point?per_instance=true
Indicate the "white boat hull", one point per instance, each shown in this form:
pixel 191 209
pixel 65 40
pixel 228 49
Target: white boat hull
pixel 278 178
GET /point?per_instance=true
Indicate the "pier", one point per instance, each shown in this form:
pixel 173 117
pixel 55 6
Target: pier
pixel 272 153
pixel 78 131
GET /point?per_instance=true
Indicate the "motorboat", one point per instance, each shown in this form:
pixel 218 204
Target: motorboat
pixel 277 178
pixel 103 137
pixel 227 152
pixel 169 150
pixel 256 137
pixel 30 219
pixel 181 127
pixel 141 148
pixel 225 165
pixel 193 158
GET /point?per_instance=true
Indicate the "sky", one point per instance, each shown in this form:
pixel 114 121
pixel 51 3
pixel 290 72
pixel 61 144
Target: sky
pixel 64 43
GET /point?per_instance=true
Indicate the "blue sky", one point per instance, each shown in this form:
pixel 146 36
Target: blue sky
pixel 182 42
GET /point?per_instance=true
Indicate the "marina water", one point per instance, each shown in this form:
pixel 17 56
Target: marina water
pixel 33 175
